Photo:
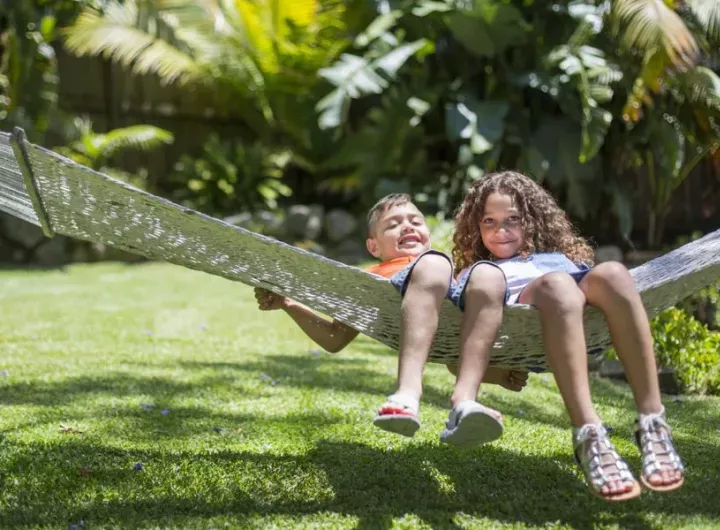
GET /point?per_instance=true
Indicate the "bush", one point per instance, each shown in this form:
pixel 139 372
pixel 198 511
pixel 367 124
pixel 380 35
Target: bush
pixel 690 349
pixel 230 177
pixel 704 304
pixel 441 233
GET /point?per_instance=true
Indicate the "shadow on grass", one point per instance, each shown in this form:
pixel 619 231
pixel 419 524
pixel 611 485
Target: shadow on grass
pixel 350 375
pixel 433 483
pixel 54 393
pixel 40 484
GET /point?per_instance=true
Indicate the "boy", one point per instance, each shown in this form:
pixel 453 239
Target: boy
pixel 400 238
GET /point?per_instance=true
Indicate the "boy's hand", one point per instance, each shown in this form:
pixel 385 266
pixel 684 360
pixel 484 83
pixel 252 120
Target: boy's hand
pixel 268 301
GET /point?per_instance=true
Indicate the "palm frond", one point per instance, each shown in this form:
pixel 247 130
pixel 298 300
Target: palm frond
pixel 255 26
pixel 650 24
pixel 648 82
pixel 138 137
pixel 115 35
pixel 700 86
pixel 300 13
pixel 707 13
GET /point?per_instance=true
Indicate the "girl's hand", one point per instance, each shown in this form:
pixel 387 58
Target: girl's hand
pixel 268 301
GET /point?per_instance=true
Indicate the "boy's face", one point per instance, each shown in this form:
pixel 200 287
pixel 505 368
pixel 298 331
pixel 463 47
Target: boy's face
pixel 399 231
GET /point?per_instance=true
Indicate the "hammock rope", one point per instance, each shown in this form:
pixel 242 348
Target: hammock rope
pixel 65 198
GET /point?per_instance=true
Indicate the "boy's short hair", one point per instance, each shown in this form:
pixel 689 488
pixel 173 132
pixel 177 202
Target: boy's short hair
pixel 387 202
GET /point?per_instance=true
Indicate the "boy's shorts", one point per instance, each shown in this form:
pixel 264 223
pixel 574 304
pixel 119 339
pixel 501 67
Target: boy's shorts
pixel 401 279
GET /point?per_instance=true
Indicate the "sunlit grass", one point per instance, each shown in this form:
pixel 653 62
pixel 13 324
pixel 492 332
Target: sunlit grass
pixel 149 396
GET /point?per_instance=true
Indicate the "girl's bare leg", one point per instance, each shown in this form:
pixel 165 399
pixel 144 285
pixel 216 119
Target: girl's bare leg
pixel 610 287
pixel 484 302
pixel 561 304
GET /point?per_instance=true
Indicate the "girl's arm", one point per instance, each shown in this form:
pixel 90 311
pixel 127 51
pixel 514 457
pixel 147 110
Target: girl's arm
pixel 332 336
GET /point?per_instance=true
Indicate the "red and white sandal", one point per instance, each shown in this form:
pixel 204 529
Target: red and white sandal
pixel 399 415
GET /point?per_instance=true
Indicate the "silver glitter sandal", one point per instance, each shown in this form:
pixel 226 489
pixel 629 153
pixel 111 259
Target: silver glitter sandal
pixel 651 431
pixel 591 445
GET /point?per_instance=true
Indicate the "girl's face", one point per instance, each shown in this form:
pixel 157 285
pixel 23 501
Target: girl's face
pixel 501 226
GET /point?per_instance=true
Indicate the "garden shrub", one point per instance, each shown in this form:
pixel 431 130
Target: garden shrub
pixel 690 349
pixel 704 304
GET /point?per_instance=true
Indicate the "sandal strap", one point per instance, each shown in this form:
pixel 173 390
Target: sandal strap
pixel 591 444
pixel 652 430
pixel 404 401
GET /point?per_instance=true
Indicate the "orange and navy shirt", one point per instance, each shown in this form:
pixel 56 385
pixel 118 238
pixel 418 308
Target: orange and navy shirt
pixel 386 269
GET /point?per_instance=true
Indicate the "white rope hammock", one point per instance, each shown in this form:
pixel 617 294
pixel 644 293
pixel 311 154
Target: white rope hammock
pixel 63 197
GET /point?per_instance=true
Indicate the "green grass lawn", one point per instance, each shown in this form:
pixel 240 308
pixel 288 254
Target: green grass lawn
pixel 150 396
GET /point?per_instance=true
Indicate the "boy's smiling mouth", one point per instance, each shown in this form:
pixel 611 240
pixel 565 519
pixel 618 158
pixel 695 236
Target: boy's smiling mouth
pixel 409 239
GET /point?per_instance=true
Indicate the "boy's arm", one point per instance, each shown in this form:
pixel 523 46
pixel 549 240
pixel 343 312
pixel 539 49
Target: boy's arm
pixel 332 336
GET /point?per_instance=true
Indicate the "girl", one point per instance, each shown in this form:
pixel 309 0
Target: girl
pixel 509 223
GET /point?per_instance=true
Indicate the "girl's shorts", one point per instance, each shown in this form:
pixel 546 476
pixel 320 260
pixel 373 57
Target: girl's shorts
pixel 457 296
pixel 401 279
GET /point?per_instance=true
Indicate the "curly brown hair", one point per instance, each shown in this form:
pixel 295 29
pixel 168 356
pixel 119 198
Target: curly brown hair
pixel 547 227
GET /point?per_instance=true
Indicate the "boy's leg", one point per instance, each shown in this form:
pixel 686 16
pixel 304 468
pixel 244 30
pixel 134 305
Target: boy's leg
pixel 561 304
pixel 610 287
pixel 423 293
pixel 419 314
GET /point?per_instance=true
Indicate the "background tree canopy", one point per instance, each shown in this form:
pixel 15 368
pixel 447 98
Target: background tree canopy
pixel 345 100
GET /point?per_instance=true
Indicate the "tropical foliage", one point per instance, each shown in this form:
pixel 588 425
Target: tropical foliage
pixel 100 151
pixel 230 177
pixel 589 97
pixel 28 65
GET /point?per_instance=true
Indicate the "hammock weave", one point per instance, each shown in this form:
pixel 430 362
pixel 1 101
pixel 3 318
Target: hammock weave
pixel 63 197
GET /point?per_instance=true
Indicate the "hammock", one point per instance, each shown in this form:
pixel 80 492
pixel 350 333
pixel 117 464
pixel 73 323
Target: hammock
pixel 65 198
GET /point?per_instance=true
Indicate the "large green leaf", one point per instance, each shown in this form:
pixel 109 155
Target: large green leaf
pixel 356 76
pixel 137 137
pixel 481 123
pixel 428 7
pixel 585 70
pixel 700 86
pixel 489 28
pixel 554 155
pixel 378 27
